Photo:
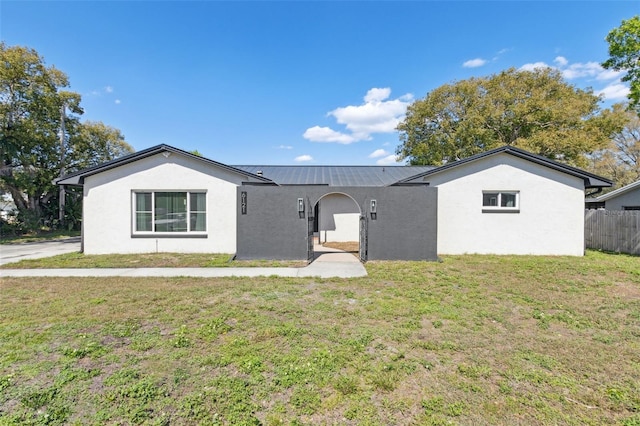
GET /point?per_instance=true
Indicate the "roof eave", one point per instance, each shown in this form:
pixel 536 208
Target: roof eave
pixel 77 178
pixel 590 180
pixel 617 192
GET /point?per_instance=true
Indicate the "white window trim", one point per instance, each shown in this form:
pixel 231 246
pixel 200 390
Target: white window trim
pixel 157 234
pixel 499 208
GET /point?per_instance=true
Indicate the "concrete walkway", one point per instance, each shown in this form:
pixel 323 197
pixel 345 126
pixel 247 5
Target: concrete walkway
pixel 328 263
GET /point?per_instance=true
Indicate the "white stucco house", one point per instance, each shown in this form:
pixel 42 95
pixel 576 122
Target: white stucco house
pixel 509 201
pixel 503 201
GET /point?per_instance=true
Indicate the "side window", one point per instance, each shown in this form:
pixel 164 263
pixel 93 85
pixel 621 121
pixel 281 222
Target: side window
pixel 501 201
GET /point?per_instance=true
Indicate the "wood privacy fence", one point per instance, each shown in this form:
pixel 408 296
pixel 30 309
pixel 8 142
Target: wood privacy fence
pixel 612 230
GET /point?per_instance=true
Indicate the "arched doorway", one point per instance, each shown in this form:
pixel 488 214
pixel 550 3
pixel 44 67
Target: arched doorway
pixel 337 222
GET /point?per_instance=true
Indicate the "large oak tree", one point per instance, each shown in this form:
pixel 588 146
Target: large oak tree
pixel 534 110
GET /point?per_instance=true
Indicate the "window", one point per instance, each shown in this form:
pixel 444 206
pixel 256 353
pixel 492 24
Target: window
pixel 500 201
pixel 170 212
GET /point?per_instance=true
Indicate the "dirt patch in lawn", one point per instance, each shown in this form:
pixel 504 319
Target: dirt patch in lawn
pixel 348 246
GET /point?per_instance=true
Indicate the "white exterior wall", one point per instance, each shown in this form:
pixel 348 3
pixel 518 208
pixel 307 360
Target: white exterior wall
pixel 108 206
pixel 339 219
pixel 550 221
pixel 628 199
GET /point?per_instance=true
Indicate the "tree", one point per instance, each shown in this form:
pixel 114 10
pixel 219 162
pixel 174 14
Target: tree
pixel 534 110
pixel 93 143
pixel 31 103
pixel 620 160
pixel 624 55
pixel 38 121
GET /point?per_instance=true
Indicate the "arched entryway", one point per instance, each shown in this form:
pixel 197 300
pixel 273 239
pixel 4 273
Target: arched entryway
pixel 337 222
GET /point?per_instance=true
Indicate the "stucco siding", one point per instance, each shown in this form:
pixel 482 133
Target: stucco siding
pixel 339 219
pixel 108 206
pixel 550 220
pixel 628 199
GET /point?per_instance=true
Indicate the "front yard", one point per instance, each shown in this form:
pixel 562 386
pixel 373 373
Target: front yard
pixel 472 340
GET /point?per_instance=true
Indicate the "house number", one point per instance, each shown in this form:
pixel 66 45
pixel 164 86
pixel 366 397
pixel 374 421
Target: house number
pixel 243 202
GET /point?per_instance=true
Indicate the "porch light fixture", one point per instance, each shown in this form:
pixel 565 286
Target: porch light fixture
pixel 374 209
pixel 301 207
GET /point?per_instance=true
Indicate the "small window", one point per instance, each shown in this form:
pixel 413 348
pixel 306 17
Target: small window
pixel 170 212
pixel 631 208
pixel 501 201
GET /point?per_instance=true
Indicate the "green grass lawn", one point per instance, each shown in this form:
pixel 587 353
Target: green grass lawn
pixel 146 260
pixel 473 340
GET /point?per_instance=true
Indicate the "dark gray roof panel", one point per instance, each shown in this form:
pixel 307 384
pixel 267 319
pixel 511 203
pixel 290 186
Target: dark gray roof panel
pixel 336 175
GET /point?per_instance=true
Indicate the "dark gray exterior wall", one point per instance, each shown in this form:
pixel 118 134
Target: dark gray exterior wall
pixel 270 226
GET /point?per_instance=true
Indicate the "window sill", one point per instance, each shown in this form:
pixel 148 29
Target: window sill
pixel 170 235
pixel 500 210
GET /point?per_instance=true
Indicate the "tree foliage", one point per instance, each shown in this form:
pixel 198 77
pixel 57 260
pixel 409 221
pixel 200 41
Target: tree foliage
pixel 624 55
pixel 94 143
pixel 35 108
pixel 534 110
pixel 620 160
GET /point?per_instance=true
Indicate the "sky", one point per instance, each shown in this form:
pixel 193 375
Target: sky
pixel 299 82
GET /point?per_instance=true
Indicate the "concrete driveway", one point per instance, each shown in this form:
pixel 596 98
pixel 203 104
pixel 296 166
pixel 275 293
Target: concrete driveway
pixel 15 252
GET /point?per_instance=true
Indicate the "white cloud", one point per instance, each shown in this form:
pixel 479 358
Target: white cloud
pixel 615 92
pixel 378 153
pixel 606 75
pixel 377 114
pixel 474 63
pixel 106 90
pixel 303 158
pixel 284 147
pixel 377 95
pixel 325 134
pixel 387 161
pixel 580 70
pixel 576 70
pixel 534 66
pixel 117 102
pixel 561 61
pixel 588 72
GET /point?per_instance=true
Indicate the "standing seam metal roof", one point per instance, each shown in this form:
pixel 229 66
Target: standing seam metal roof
pixel 336 175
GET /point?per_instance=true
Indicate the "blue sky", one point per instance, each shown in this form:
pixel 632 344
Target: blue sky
pixel 298 82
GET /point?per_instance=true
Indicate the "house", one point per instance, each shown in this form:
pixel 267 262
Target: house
pixel 624 198
pixel 503 201
pixel 8 207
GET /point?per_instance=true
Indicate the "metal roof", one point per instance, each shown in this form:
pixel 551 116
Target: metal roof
pixel 335 175
pixel 613 194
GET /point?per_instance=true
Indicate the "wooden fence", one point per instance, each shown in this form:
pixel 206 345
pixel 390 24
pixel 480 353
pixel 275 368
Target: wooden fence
pixel 612 230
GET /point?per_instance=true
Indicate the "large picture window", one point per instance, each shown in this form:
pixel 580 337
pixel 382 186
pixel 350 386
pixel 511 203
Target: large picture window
pixel 170 212
pixel 500 201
